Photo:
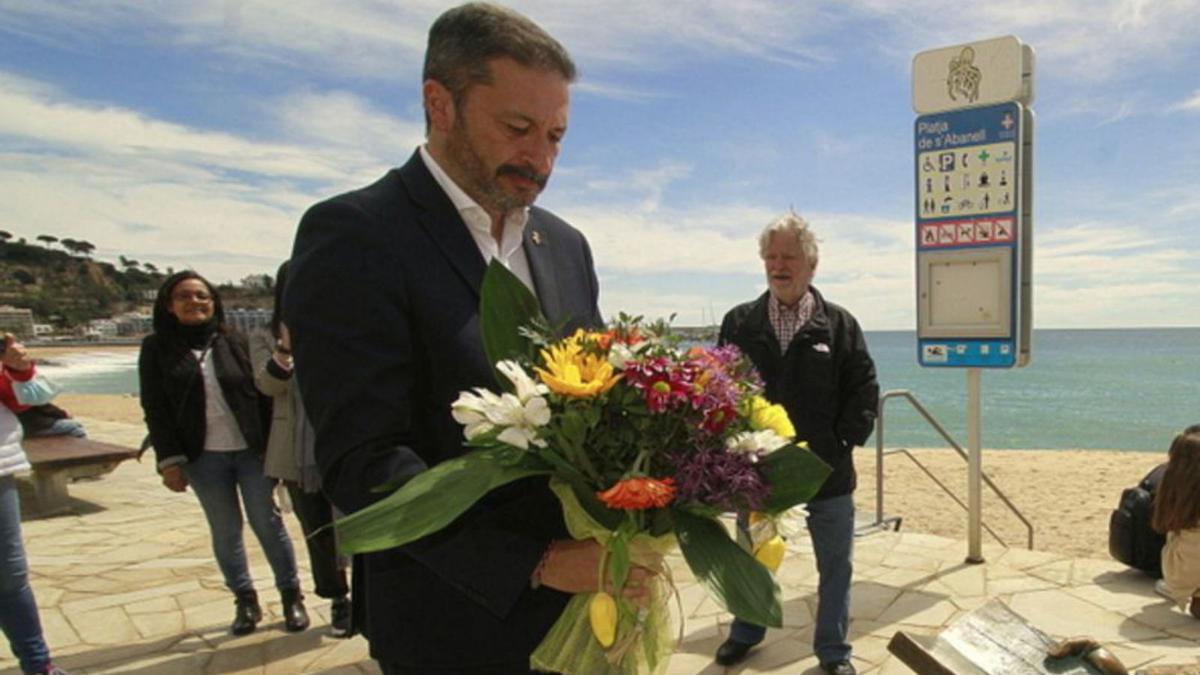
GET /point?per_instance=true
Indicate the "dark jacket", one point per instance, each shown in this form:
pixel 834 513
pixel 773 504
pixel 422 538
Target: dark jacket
pixel 825 380
pixel 382 304
pixel 172 393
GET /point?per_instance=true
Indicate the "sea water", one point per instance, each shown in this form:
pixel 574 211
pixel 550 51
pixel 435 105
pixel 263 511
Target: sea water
pixel 1128 389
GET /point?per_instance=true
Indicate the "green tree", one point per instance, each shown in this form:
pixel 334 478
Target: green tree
pixel 47 239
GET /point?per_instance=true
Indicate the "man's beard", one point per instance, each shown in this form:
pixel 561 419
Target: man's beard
pixel 484 187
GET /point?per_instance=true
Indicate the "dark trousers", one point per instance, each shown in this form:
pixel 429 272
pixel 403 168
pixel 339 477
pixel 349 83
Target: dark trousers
pixel 316 516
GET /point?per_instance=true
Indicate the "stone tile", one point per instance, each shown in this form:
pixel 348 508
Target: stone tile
pixel 158 624
pixel 694 664
pixel 153 606
pixel 916 608
pixel 1062 614
pixel 294 652
pixel 57 631
pixel 169 663
pixel 962 581
pixel 124 596
pixel 108 626
pixel 1018 584
pixel 247 659
pixel 208 615
pixel 870 652
pixel 343 652
pixel 869 600
pixel 1119 597
pixel 1091 571
pixel 907 578
pixel 1058 572
pixel 780 652
pixel 1022 559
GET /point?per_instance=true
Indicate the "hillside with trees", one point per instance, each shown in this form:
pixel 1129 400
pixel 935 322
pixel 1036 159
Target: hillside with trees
pixel 63 285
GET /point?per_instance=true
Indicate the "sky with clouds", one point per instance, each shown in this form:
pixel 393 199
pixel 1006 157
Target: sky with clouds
pixel 195 133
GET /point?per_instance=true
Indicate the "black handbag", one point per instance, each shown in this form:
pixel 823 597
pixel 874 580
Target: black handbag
pixel 1131 539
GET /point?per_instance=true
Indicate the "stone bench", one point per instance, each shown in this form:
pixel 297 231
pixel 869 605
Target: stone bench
pixel 57 460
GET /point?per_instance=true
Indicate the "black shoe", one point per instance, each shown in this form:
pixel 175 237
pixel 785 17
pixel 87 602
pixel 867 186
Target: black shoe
pixel 843 667
pixel 732 652
pixel 247 613
pixel 295 618
pixel 339 617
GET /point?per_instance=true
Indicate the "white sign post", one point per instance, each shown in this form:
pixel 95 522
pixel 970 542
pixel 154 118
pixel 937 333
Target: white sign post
pixel 973 152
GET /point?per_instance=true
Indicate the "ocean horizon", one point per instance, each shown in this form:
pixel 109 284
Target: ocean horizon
pixel 1096 388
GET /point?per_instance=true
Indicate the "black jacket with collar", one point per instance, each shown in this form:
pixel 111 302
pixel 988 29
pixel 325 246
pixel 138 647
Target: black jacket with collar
pixel 825 380
pixel 382 303
pixel 172 394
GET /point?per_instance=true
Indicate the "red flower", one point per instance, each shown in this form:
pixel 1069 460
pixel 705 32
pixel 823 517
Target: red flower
pixel 635 494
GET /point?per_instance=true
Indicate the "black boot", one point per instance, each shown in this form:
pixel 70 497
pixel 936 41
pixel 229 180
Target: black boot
pixel 295 618
pixel 247 613
pixel 340 617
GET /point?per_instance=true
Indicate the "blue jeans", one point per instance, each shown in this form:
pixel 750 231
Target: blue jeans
pixel 831 526
pixel 18 610
pixel 61 427
pixel 217 478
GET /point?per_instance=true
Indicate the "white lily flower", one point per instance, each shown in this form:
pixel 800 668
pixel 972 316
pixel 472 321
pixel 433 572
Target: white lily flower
pixel 526 387
pixel 620 354
pixel 483 411
pixel 765 442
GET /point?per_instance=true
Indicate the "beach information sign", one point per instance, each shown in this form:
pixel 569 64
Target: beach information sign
pixel 973 176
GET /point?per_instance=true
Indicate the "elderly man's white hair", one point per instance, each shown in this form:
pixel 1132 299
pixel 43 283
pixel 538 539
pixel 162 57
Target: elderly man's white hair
pixel 790 223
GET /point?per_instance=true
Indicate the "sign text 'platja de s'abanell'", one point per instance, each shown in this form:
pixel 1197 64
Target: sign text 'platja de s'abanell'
pixel 973 198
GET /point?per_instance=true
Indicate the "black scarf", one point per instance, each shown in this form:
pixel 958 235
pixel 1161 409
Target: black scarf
pixel 196 336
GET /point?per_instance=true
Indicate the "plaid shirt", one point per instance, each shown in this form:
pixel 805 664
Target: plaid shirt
pixel 787 321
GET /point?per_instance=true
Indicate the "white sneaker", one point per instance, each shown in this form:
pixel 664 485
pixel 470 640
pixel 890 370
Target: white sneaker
pixel 1160 587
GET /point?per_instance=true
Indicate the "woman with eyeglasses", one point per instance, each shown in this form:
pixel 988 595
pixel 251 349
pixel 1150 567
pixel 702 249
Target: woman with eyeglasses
pixel 208 425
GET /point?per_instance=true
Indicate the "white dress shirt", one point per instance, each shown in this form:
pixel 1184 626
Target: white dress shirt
pixel 509 251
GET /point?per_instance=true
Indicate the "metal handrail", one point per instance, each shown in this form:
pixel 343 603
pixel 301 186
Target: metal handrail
pixel 880 453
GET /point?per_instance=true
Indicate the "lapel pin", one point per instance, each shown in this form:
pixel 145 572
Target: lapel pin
pixel 536 237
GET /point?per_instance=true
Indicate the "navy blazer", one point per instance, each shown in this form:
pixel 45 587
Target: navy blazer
pixel 383 306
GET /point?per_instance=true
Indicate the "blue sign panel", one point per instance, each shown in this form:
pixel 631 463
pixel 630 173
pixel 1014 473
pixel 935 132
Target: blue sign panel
pixel 968 173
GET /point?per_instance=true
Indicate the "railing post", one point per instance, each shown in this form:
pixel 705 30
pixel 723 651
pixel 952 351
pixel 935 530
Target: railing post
pixel 879 462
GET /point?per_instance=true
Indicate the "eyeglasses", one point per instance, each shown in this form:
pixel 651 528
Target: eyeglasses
pixel 196 296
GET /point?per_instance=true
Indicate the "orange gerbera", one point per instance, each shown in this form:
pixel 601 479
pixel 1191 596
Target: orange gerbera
pixel 635 494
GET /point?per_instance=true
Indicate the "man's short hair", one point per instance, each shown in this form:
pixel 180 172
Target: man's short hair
pixel 464 39
pixel 790 223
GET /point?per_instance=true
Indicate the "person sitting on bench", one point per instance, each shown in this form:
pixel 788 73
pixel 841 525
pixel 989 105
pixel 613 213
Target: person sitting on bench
pixel 38 421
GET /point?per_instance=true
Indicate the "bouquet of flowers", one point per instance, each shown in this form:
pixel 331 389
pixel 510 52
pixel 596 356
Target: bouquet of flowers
pixel 645 444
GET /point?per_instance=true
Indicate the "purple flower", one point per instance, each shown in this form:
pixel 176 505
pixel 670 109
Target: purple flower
pixel 712 476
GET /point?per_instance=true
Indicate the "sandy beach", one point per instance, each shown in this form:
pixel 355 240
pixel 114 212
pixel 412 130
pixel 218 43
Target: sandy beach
pixel 1066 494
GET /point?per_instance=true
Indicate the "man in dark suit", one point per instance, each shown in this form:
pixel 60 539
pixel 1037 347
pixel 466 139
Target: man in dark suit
pixel 814 361
pixel 383 307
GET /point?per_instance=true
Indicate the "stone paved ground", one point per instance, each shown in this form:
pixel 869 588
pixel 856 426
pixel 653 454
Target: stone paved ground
pixel 127 584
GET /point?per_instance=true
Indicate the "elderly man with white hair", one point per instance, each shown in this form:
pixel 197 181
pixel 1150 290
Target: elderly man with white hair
pixel 814 361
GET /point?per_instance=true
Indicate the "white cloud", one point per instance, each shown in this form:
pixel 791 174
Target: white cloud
pixel 173 195
pixel 1190 104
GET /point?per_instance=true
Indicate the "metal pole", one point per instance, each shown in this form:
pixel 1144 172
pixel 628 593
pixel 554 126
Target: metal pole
pixel 974 469
pixel 879 464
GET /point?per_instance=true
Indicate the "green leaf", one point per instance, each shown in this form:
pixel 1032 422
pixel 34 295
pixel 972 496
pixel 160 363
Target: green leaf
pixel 618 559
pixel 794 475
pixel 430 501
pixel 505 306
pixel 609 518
pixel 732 575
